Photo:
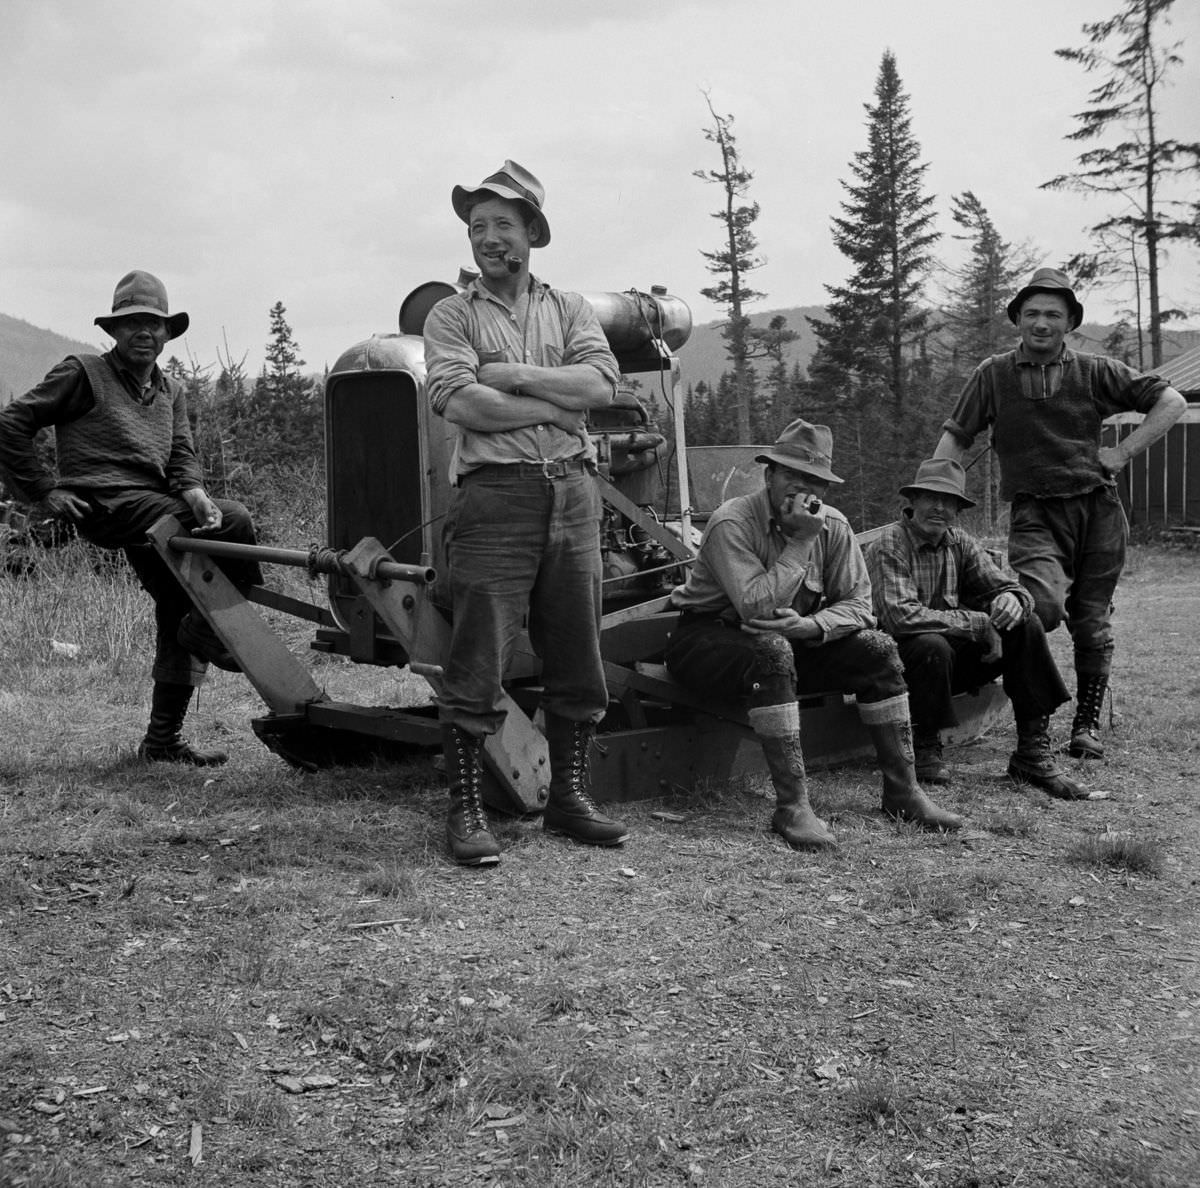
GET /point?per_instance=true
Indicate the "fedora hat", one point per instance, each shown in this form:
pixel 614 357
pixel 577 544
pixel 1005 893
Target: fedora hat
pixel 804 447
pixel 1047 280
pixel 943 475
pixel 139 292
pixel 511 181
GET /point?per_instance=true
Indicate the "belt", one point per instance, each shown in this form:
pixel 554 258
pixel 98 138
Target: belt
pixel 531 470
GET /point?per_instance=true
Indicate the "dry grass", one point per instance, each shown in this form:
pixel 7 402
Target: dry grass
pixel 1013 1006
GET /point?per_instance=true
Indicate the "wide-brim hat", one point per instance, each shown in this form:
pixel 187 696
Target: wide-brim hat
pixel 804 447
pixel 1047 280
pixel 511 181
pixel 942 475
pixel 140 292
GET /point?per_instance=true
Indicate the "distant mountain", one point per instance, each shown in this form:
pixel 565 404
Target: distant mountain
pixel 28 352
pixel 702 357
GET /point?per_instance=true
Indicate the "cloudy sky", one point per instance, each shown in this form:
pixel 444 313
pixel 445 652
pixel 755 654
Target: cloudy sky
pixel 250 151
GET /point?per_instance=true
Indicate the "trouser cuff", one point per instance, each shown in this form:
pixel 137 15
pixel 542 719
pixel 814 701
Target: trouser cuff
pixel 775 721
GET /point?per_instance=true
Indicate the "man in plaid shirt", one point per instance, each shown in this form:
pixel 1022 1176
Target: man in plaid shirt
pixel 960 622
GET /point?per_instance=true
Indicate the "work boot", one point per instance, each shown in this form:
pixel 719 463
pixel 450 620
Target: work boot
pixel 467 834
pixel 201 640
pixel 903 798
pixel 794 819
pixel 570 809
pixel 930 765
pixel 1033 762
pixel 164 742
pixel 1085 729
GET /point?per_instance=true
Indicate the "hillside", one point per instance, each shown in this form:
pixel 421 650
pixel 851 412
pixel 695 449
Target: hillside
pixel 703 356
pixel 28 352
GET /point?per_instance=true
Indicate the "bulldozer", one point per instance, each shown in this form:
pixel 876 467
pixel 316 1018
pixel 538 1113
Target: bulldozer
pixel 387 490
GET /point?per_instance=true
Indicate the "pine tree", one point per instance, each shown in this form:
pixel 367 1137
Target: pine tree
pixel 872 343
pixel 1136 170
pixel 733 261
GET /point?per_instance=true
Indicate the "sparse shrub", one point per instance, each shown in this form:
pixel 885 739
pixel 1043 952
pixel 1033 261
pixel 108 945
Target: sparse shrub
pixel 1121 851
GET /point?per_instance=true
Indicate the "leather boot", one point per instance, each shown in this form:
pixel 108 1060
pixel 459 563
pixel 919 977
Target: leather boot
pixel 1033 761
pixel 1085 729
pixel 902 795
pixel 164 742
pixel 467 834
pixel 930 765
pixel 570 809
pixel 794 819
pixel 201 640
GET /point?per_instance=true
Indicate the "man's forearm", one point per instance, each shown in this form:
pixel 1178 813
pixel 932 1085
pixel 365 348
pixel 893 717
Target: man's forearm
pixel 576 387
pixel 1167 410
pixel 484 409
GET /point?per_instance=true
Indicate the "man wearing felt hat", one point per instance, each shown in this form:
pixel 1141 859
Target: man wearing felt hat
pixel 1045 404
pixel 515 365
pixel 960 621
pixel 778 605
pixel 125 459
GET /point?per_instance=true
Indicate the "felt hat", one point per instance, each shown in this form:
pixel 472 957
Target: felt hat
pixel 804 447
pixel 139 292
pixel 511 181
pixel 1047 280
pixel 942 475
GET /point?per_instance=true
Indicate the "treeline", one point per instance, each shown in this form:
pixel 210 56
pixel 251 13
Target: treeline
pixel 260 439
pixel 902 334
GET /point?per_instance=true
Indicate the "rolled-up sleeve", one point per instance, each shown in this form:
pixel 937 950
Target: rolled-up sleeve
pixel 584 340
pixel 847 601
pixel 451 361
pixel 975 408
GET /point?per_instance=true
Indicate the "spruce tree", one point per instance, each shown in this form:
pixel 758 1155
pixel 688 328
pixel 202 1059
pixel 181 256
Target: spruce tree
pixel 871 345
pixel 732 261
pixel 1127 51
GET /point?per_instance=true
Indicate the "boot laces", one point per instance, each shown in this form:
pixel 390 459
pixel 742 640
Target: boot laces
pixel 581 740
pixel 467 752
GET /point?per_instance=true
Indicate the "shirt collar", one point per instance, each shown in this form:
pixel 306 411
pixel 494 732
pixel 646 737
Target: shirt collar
pixel 1065 355
pixel 157 384
pixel 477 291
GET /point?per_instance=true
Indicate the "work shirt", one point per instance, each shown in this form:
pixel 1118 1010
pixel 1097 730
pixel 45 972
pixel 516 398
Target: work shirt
pixel 945 588
pixel 1047 417
pixel 65 396
pixel 551 329
pixel 748 567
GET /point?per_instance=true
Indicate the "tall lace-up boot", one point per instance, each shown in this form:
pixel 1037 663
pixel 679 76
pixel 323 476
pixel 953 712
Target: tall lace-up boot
pixel 930 758
pixel 467 834
pixel 1085 729
pixel 164 741
pixel 571 809
pixel 1033 761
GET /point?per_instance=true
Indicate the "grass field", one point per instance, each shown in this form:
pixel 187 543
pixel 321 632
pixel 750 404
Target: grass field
pixel 253 976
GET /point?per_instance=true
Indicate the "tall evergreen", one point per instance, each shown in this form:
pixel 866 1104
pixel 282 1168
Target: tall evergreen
pixel 732 261
pixel 870 350
pixel 1128 53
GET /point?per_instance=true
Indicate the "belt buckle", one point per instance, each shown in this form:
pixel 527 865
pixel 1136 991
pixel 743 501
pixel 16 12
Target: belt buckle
pixel 553 470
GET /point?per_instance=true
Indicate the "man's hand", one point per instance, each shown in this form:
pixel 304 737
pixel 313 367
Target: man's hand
pixel 207 513
pixel 786 622
pixel 1112 461
pixel 798 522
pixel 994 648
pixel 65 505
pixel 1007 611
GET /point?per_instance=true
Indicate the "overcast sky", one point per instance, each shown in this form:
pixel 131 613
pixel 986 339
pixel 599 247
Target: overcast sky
pixel 249 151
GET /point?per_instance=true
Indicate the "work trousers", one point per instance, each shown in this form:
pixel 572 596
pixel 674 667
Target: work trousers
pixel 1069 553
pixel 936 667
pixel 523 547
pixel 733 667
pixel 120 520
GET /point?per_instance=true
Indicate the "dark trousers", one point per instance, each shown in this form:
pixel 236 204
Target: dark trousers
pixel 936 667
pixel 1069 553
pixel 521 546
pixel 121 520
pixel 733 667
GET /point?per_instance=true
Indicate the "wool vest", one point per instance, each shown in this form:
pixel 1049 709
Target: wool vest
pixel 1047 427
pixel 119 443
